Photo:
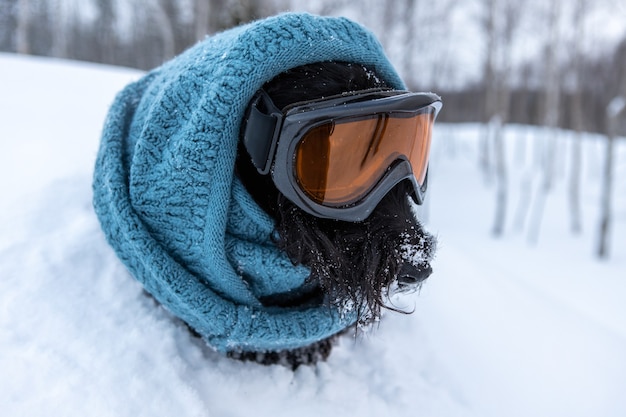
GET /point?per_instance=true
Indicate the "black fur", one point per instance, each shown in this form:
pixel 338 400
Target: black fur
pixel 290 358
pixel 356 265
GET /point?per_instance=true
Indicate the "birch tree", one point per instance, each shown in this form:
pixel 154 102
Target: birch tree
pixel 499 25
pixel 615 111
pixel 552 88
pixel 488 24
pixel 60 16
pixel 575 173
pixel 22 31
pixel 105 28
pixel 164 28
pixel 7 25
pixel 202 11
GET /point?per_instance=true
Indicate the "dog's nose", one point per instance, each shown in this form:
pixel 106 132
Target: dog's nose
pixel 411 275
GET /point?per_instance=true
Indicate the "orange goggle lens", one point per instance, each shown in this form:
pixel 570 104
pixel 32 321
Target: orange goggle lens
pixel 337 163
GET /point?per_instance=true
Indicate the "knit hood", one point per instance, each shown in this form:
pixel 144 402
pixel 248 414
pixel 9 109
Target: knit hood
pixel 170 204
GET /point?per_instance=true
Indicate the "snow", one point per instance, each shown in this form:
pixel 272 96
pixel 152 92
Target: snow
pixel 502 327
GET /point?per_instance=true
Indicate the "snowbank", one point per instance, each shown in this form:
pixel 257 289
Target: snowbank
pixel 501 328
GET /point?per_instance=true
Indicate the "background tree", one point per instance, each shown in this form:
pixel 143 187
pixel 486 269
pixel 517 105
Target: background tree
pixel 499 23
pixel 7 25
pixel 615 111
pixel 551 112
pixel 105 30
pixel 60 16
pixel 567 86
pixel 577 115
pixel 202 13
pixel 22 30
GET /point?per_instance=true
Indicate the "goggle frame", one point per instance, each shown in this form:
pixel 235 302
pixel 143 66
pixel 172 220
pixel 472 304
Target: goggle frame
pixel 271 136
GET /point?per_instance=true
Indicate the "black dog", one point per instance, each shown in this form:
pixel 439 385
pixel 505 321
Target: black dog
pixel 354 265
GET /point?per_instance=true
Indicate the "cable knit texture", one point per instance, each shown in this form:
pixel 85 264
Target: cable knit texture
pixel 167 197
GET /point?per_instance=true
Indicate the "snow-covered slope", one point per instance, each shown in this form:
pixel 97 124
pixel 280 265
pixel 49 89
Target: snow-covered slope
pixel 501 328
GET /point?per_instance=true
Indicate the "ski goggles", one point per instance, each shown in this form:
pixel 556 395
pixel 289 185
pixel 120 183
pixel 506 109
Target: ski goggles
pixel 338 157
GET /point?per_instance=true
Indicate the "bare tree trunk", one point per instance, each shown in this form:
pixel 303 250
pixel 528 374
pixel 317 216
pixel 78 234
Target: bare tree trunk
pixel 614 110
pixel 577 116
pixel 106 46
pixel 524 202
pixel 201 19
pixel 553 93
pixel 60 27
pixel 491 88
pixel 498 24
pixel 501 178
pixel 607 186
pixel 409 26
pixel 510 11
pixel 389 20
pixel 605 215
pixel 22 31
pixel 574 184
pixel 522 158
pixel 166 31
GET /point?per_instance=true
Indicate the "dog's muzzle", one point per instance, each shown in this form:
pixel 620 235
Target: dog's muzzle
pixel 411 276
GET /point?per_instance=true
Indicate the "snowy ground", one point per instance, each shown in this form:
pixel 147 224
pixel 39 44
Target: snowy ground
pixel 502 328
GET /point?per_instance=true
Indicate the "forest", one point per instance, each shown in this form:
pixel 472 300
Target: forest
pixel 529 61
pixel 557 64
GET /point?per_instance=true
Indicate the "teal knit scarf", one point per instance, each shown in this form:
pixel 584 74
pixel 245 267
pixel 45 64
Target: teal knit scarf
pixel 169 202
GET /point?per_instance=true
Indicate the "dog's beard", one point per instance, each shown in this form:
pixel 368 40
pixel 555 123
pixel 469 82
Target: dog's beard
pixel 358 266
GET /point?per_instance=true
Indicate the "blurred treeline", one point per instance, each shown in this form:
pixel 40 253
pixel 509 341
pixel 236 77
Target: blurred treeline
pixel 133 33
pixel 562 79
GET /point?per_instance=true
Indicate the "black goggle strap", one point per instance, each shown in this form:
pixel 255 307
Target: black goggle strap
pixel 262 129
